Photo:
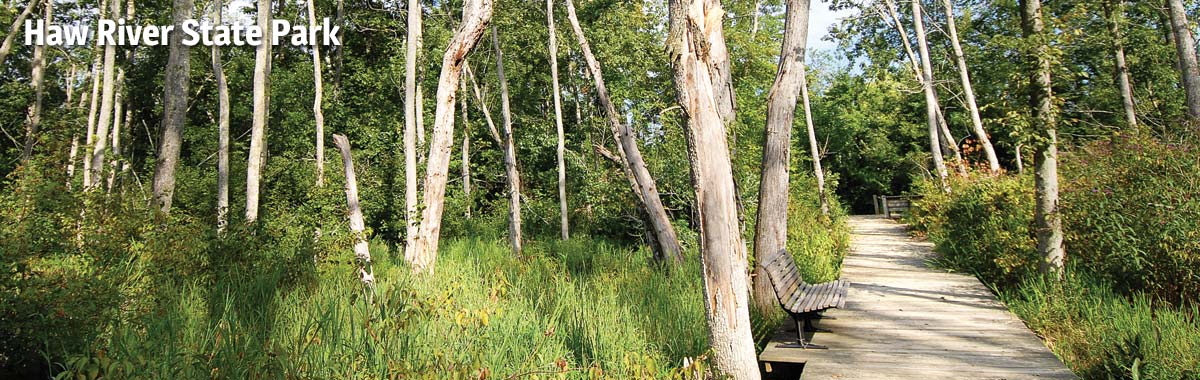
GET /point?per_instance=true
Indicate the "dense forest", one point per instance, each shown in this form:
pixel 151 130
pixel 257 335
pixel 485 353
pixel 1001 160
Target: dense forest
pixel 502 189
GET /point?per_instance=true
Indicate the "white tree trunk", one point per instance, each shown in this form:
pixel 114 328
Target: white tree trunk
pixel 931 106
pixel 37 81
pixel 510 154
pixel 1114 13
pixel 106 107
pixel 362 252
pixel 642 182
pixel 17 25
pixel 694 27
pixel 222 129
pixel 476 16
pixel 411 196
pixel 558 123
pixel 93 105
pixel 258 130
pixel 175 105
pixel 466 147
pixel 969 91
pixel 1185 49
pixel 1047 220
pixel 814 149
pixel 318 96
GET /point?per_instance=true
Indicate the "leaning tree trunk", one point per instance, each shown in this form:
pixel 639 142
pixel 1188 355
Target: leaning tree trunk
pixel 664 232
pixel 558 123
pixel 814 150
pixel 106 107
pixel 222 129
pixel 410 130
pixel 258 128
pixel 37 81
pixel 1047 219
pixel 476 16
pixel 770 235
pixel 362 252
pixel 318 96
pixel 1114 14
pixel 931 107
pixel 969 91
pixel 693 28
pixel 510 154
pixel 175 105
pixel 18 24
pixel 1185 49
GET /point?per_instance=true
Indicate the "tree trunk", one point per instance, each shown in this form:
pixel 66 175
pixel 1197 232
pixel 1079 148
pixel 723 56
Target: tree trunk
pixel 175 104
pixel 487 114
pixel 931 106
pixel 770 235
pixel 222 129
pixel 510 153
pixel 641 181
pixel 106 107
pixel 93 105
pixel 17 25
pixel 1047 219
pixel 818 170
pixel 969 91
pixel 694 26
pixel 564 228
pixel 258 129
pixel 362 252
pixel 37 81
pixel 476 16
pixel 466 147
pixel 1114 14
pixel 411 196
pixel 115 149
pixel 1185 49
pixel 318 96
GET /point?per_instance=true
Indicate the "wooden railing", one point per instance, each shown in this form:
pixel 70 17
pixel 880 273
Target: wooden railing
pixel 893 206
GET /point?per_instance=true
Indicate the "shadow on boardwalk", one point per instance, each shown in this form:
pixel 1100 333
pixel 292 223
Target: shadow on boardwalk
pixel 907 320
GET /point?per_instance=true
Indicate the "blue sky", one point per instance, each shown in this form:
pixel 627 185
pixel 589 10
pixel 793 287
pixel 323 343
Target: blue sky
pixel 820 19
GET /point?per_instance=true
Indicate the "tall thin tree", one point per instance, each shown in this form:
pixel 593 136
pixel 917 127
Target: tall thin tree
pixel 694 26
pixel 564 227
pixel 222 127
pixel 1114 16
pixel 1047 220
pixel 318 96
pixel 261 98
pixel 968 90
pixel 510 153
pixel 104 121
pixel 931 104
pixel 37 79
pixel 411 195
pixel 1185 51
pixel 175 105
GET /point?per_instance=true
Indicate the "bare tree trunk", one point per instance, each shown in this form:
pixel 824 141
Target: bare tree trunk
pixel 931 106
pixel 476 16
pixel 818 170
pixel 466 147
pixel 411 196
pixel 487 114
pixel 106 107
pixel 1185 49
pixel 969 91
pixel 18 23
pixel 362 252
pixel 510 153
pixel 565 228
pixel 258 130
pixel 318 96
pixel 222 129
pixel 664 232
pixel 1046 216
pixel 37 81
pixel 694 26
pixel 93 105
pixel 1114 14
pixel 754 18
pixel 175 104
pixel 770 235
pixel 115 161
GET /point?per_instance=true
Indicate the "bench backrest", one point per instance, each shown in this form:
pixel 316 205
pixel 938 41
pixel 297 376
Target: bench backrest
pixel 785 276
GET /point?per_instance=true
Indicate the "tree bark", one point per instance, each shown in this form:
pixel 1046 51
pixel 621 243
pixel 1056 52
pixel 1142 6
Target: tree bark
pixel 931 106
pixel 37 81
pixel 664 233
pixel 1114 14
pixel 510 153
pixel 770 235
pixel 1047 219
pixel 318 96
pixel 93 105
pixel 411 196
pixel 1185 49
pixel 814 149
pixel 564 228
pixel 362 252
pixel 466 147
pixel 694 27
pixel 222 129
pixel 17 25
pixel 969 91
pixel 106 107
pixel 476 16
pixel 175 104
pixel 115 149
pixel 258 128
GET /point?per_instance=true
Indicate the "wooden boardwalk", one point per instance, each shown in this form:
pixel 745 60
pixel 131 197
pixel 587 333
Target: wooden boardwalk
pixel 906 320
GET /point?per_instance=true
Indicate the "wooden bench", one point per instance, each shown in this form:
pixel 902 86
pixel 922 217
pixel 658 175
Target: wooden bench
pixel 893 206
pixel 803 301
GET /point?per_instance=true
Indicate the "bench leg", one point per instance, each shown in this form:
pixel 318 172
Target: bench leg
pixel 803 325
pixel 808 325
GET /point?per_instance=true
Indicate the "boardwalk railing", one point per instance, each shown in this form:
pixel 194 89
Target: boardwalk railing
pixel 893 206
